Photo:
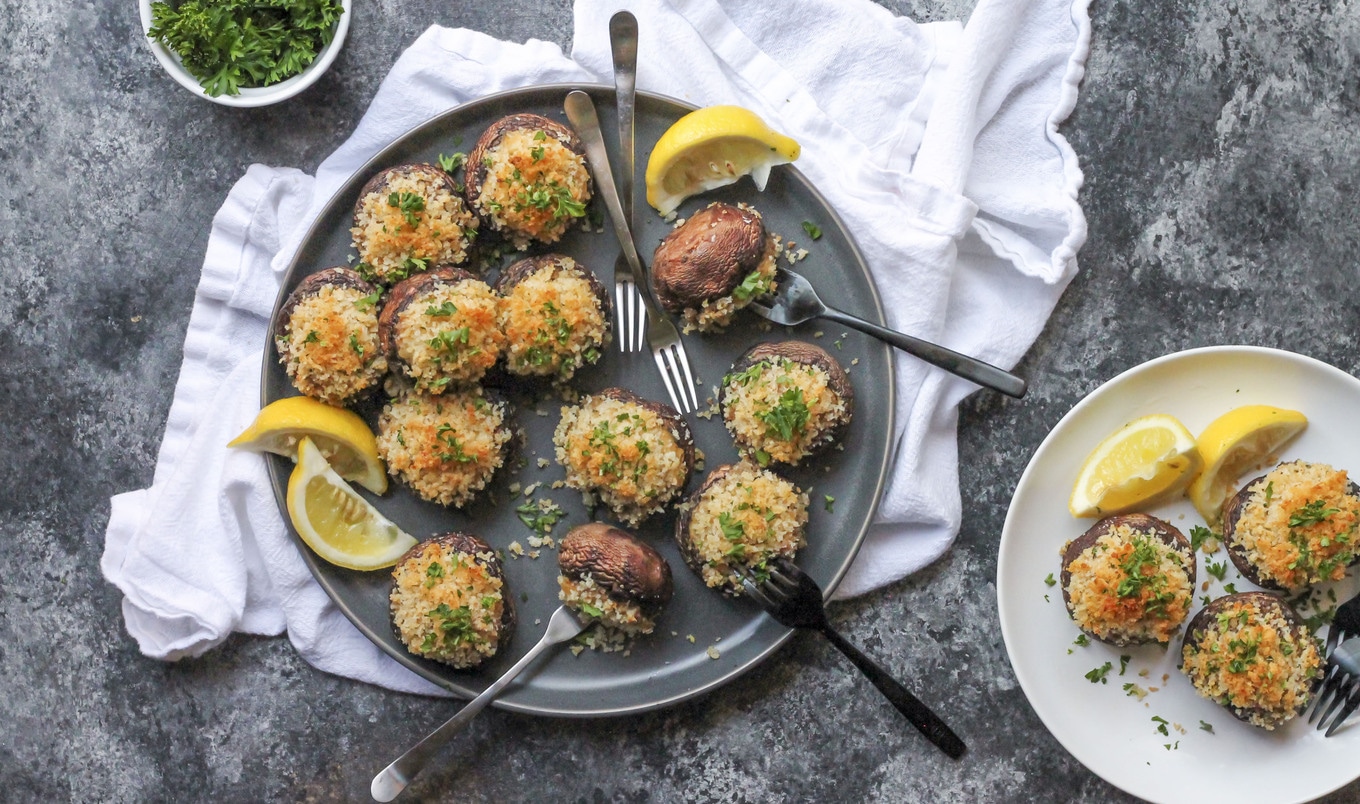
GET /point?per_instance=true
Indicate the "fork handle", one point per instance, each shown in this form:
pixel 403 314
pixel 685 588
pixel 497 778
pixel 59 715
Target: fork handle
pixel 969 368
pixel 918 713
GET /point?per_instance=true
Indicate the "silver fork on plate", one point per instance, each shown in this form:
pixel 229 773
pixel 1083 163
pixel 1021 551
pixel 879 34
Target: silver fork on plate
pixel 629 313
pixel 795 301
pixel 667 348
pixel 794 599
pixel 1341 679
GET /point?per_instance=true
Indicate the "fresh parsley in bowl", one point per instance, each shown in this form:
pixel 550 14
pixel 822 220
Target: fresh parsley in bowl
pixel 246 52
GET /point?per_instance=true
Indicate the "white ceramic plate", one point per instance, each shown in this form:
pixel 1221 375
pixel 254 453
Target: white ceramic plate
pixel 1109 731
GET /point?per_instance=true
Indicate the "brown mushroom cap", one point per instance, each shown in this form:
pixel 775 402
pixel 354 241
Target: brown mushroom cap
pixel 1207 617
pixel 1233 509
pixel 810 355
pixel 339 276
pixel 403 294
pixel 708 256
pixel 627 569
pixel 479 552
pixel 475 173
pixel 1164 531
pixel 691 556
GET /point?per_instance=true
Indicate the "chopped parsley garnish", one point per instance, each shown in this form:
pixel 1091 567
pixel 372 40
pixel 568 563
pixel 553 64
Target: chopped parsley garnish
pixel 433 573
pixel 762 457
pixel 1124 663
pixel 409 204
pixel 355 345
pixel 229 44
pixel 1218 570
pixel 1198 536
pixel 1206 727
pixel 787 417
pixel 450 340
pixel 444 309
pixel 1161 726
pixel 1229 589
pixel 368 301
pixel 539 136
pixel 455 624
pixel 536 153
pixel 540 517
pixel 1098 675
pixel 1311 514
pixel 814 231
pixel 1051 581
pixel 455 449
pixel 753 285
pixel 452 162
pixel 829 502
pixel 1082 640
pixel 592 611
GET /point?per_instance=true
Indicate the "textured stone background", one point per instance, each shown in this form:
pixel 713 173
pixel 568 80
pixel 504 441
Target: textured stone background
pixel 1218 140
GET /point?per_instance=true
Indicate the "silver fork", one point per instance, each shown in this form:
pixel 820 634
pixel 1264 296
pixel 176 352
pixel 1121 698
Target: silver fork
pixel 795 301
pixel 391 780
pixel 623 43
pixel 794 599
pixel 1341 680
pixel 667 348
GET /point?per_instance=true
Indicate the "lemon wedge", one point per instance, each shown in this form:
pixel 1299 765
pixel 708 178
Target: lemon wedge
pixel 1146 460
pixel 710 148
pixel 342 527
pixel 1234 443
pixel 340 435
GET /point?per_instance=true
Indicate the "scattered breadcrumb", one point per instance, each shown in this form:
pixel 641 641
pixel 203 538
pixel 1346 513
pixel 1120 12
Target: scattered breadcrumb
pixel 713 652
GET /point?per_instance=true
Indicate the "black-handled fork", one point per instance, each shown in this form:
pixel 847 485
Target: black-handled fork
pixel 1340 686
pixel 794 599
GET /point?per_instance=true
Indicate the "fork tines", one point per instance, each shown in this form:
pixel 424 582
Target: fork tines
pixel 630 315
pixel 1340 687
pixel 675 373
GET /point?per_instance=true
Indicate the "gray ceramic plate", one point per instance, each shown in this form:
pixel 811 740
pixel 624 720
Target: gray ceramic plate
pixel 674 663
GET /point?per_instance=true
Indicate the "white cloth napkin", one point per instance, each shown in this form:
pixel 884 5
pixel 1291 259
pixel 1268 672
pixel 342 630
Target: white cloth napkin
pixel 937 142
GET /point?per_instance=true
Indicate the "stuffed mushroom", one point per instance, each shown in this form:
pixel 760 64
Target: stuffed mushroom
pixel 527 178
pixel 326 334
pixel 714 265
pixel 441 329
pixel 555 317
pixel 611 576
pixel 1294 526
pixel 449 602
pixel 408 219
pixel 1129 580
pixel 447 447
pixel 785 401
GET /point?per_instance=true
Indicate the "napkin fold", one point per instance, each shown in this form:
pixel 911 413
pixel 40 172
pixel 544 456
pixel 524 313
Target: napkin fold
pixel 938 144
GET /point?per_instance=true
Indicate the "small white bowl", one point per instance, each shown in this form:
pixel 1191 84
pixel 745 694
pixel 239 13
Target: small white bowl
pixel 250 96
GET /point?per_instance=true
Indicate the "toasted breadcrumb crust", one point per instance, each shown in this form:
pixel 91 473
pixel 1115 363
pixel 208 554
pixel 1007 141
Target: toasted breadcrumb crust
pixel 450 335
pixel 1131 586
pixel 395 240
pixel 742 520
pixel 446 448
pixel 623 453
pixel 1252 659
pixel 1299 525
pixel 754 398
pixel 620 620
pixel 447 605
pixel 553 322
pixel 534 188
pixel 330 350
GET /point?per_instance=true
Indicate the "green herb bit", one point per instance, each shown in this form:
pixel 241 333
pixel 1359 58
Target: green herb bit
pixel 1082 640
pixel 1124 663
pixel 762 458
pixel 755 284
pixel 1161 726
pixel 732 529
pixel 1051 581
pixel 368 301
pixel 540 136
pixel 355 345
pixel 1311 514
pixel 452 162
pixel 1098 674
pixel 1209 727
pixel 829 502
pixel 1270 491
pixel 312 337
pixel 455 452
pixel 536 153
pixel 1218 570
pixel 592 611
pixel 814 231
pixel 409 204
pixel 1198 536
pixel 1229 589
pixel 456 624
pixel 445 309
pixel 789 416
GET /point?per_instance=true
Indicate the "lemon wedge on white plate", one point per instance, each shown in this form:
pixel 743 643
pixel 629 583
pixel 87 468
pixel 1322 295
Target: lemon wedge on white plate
pixel 1147 460
pixel 340 434
pixel 1233 444
pixel 341 526
pixel 712 147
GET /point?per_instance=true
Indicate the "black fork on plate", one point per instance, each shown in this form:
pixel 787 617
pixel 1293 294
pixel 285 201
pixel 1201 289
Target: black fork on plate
pixel 794 599
pixel 1341 679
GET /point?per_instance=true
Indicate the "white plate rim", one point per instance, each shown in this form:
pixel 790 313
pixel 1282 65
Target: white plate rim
pixel 1118 767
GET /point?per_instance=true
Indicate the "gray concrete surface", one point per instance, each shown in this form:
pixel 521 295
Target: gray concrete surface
pixel 1221 158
